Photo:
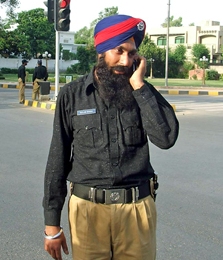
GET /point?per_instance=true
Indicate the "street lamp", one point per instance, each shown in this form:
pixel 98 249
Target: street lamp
pixel 151 67
pixel 203 60
pixel 47 56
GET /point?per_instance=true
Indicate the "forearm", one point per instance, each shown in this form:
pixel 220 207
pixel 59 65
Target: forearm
pixel 158 117
pixel 58 166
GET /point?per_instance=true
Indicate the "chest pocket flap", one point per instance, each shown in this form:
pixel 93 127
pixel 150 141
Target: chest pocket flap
pixel 132 131
pixel 87 130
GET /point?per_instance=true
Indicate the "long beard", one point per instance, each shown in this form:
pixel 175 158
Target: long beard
pixel 114 89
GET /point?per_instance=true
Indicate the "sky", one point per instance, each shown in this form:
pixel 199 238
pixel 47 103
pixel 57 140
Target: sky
pixel 154 13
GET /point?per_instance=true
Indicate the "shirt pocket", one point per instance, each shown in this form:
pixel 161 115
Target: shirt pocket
pixel 133 133
pixel 88 130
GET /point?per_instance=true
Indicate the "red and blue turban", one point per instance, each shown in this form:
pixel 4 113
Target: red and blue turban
pixel 114 30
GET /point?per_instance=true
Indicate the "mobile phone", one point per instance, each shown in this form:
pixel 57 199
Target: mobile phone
pixel 135 64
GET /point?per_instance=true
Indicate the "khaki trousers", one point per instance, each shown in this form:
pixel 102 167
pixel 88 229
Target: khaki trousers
pixel 116 231
pixel 21 90
pixel 36 87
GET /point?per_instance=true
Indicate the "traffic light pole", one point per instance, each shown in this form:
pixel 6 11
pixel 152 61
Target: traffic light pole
pixel 57 67
pixel 61 23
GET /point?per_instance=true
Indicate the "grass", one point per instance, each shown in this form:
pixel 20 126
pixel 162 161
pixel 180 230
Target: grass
pixel 155 82
pixel 14 78
pixel 186 83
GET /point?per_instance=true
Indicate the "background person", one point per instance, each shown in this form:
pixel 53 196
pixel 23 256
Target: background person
pixel 22 81
pixel 40 74
pixel 100 145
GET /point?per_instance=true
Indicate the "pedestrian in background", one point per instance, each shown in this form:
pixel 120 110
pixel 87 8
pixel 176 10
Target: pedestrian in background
pixel 40 74
pixel 22 81
pixel 102 126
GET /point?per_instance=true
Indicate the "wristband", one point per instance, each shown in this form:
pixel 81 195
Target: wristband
pixel 55 236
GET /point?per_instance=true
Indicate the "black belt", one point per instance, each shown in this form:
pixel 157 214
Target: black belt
pixel 111 196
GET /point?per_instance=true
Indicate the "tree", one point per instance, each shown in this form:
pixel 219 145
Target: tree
pixel 38 31
pixel 86 35
pixel 198 51
pixel 149 50
pixel 177 58
pixel 82 36
pixel 172 22
pixel 10 6
pixel 14 44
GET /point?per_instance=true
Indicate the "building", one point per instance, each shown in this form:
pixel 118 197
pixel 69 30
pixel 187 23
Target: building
pixel 67 42
pixel 209 33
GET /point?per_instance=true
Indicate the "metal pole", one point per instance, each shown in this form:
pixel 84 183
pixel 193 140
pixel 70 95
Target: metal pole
pixel 57 54
pixel 57 72
pixel 167 44
pixel 46 63
pixel 203 73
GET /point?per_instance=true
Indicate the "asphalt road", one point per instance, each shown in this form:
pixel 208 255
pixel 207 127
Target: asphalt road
pixel 189 201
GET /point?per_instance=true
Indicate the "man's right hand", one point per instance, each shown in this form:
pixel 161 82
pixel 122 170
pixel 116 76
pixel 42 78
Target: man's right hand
pixel 53 246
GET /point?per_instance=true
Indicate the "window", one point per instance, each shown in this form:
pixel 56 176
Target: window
pixel 161 41
pixel 179 39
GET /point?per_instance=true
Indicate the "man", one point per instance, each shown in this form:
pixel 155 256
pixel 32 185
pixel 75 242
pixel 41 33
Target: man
pixel 40 74
pixel 22 81
pixel 100 145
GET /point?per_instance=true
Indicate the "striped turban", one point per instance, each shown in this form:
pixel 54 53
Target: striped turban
pixel 114 30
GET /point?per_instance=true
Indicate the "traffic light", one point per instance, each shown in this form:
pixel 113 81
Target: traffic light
pixel 62 22
pixel 50 10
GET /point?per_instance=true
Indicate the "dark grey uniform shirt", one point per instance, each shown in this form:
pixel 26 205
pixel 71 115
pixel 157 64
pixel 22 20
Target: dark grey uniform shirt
pixel 98 145
pixel 22 73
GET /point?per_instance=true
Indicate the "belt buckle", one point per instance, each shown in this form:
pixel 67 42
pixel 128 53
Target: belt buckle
pixel 135 194
pixel 114 196
pixel 92 193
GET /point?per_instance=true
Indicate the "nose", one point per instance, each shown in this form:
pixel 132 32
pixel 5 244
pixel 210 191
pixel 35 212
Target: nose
pixel 125 60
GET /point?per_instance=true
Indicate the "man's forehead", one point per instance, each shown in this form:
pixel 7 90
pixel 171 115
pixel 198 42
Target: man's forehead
pixel 128 45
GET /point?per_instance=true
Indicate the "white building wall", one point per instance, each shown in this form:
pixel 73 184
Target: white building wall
pixel 209 33
pixel 15 63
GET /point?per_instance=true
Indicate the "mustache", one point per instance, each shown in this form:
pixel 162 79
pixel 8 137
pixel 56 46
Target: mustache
pixel 122 69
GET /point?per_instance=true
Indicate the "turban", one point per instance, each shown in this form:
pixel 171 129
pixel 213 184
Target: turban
pixel 114 30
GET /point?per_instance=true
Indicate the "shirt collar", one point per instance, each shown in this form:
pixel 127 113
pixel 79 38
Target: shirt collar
pixel 89 82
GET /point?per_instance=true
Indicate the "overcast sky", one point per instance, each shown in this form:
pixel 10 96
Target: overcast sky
pixel 83 12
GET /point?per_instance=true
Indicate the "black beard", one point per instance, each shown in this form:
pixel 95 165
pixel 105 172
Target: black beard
pixel 115 89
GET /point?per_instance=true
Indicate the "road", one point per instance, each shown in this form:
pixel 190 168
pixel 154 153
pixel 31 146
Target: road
pixel 188 104
pixel 189 201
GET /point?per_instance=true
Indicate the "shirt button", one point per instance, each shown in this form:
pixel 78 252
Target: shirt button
pixel 113 140
pixel 114 164
pixel 112 116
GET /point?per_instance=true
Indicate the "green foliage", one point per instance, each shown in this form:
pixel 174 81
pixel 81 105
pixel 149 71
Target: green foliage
pixel 86 35
pixel 212 75
pixel 9 71
pixel 34 34
pixel 198 51
pixel 39 33
pixel 177 58
pixel 62 79
pixel 83 36
pixel 10 6
pixel 67 55
pixel 188 65
pixel 221 77
pixel 149 50
pixel 1 76
pixel 172 22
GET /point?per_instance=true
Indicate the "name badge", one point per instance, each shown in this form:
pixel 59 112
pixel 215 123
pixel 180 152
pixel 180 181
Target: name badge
pixel 86 112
